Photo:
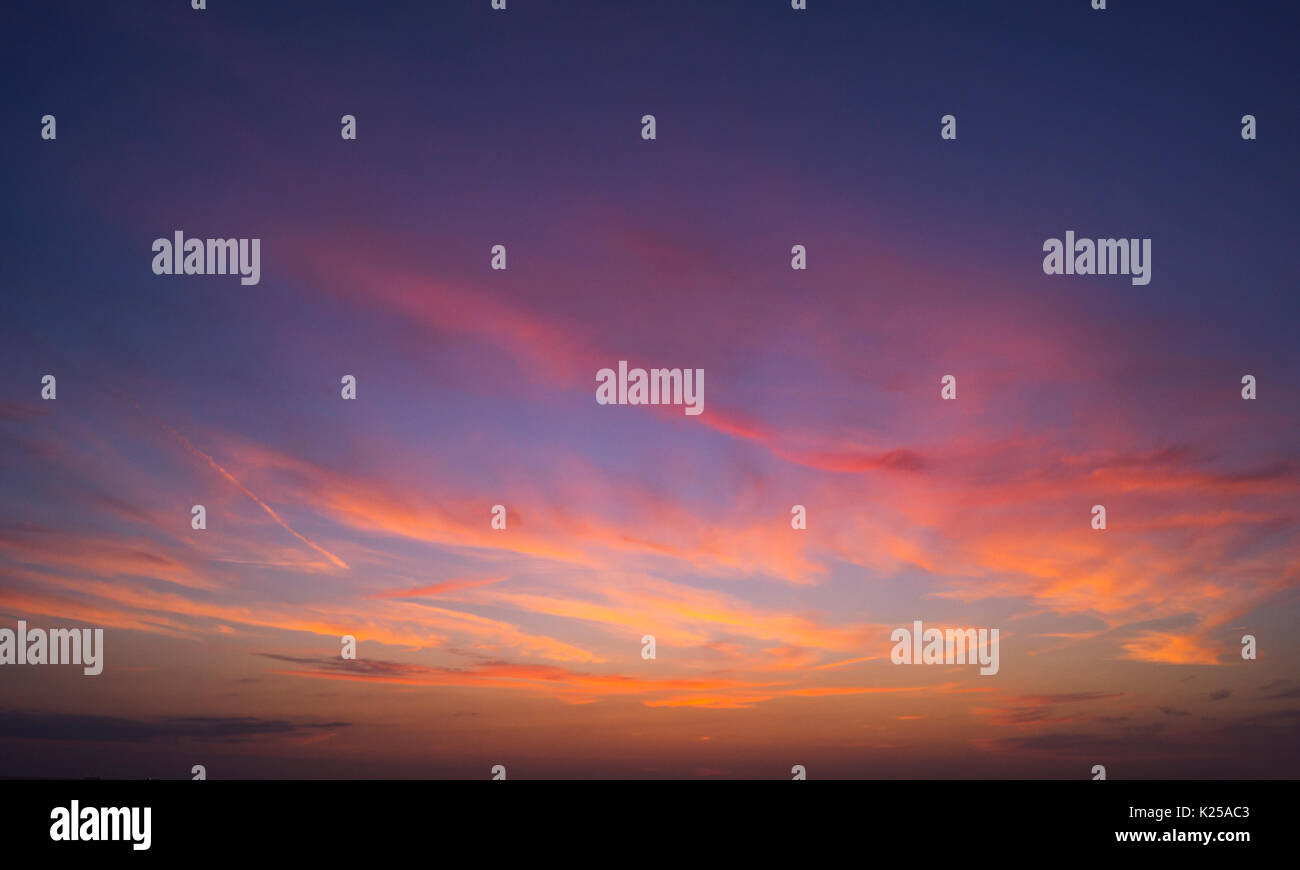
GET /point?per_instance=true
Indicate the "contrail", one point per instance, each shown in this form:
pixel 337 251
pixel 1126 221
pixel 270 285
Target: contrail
pixel 245 490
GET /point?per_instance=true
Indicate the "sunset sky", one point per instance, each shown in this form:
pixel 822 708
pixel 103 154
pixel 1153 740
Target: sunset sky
pixel 476 387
